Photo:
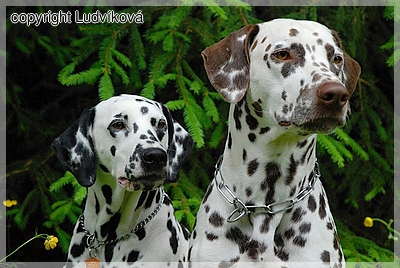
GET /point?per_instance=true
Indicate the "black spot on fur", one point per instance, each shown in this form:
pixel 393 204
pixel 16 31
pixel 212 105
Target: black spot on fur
pixel 97 204
pixel 109 252
pixel 278 240
pixel 211 236
pixel 322 205
pixel 135 128
pixel 254 249
pixel 264 130
pixel 109 228
pixel 150 199
pixel 264 228
pixel 216 219
pixel 325 256
pixel 291 171
pixel 144 110
pixel 257 108
pixel 252 137
pixel 252 167
pixel 251 122
pixel 112 150
pixel 207 194
pixel 298 214
pixel 283 255
pixel 329 226
pixel 273 173
pixel 248 191
pixel 107 193
pixel 237 113
pixel 133 257
pixel 229 140
pixel 312 204
pixel 244 155
pixel 236 235
pixel 305 228
pixel 173 240
pixel 78 249
pixel 302 144
pixel 104 168
pixel 284 95
pixel 141 233
pixel 289 233
pixel 299 241
pixel 142 197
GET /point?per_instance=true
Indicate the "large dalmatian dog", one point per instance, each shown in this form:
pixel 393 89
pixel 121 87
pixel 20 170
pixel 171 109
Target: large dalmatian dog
pixel 123 150
pixel 286 80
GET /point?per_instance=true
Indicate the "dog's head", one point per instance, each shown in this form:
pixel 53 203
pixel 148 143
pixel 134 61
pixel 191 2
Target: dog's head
pixel 134 139
pixel 294 72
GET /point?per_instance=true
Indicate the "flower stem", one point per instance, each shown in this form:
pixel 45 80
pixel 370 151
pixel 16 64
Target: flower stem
pixel 33 238
pixel 387 226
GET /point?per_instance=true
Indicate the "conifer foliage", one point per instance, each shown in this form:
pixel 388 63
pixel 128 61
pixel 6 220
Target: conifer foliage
pixel 160 59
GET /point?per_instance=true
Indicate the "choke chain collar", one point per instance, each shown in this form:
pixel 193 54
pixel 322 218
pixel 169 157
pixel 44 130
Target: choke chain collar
pixel 241 209
pixel 90 240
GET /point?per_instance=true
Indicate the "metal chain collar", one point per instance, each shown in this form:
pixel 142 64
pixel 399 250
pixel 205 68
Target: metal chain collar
pixel 91 237
pixel 241 209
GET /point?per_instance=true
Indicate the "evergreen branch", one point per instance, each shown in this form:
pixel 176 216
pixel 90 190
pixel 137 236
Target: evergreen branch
pixel 106 88
pixel 120 71
pixel 343 136
pixel 136 43
pixel 122 58
pixel 326 142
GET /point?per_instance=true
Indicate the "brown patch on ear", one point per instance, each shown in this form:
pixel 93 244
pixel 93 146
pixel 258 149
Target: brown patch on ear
pixel 336 38
pixel 227 63
pixel 352 69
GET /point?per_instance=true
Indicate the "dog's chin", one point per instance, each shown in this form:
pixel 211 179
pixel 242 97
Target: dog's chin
pixel 325 125
pixel 144 183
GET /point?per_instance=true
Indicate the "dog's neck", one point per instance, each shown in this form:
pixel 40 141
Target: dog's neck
pixel 261 156
pixel 111 211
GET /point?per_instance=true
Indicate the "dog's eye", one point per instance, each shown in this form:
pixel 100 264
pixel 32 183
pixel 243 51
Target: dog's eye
pixel 337 59
pixel 282 55
pixel 118 125
pixel 161 124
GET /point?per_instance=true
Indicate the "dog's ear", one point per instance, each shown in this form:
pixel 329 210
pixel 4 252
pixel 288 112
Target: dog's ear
pixel 75 149
pixel 227 63
pixel 180 144
pixel 352 69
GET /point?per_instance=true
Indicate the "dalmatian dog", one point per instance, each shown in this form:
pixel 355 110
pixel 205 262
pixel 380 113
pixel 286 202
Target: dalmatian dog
pixel 287 81
pixel 123 150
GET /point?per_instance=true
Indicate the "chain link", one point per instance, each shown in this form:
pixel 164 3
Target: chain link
pixel 91 237
pixel 241 209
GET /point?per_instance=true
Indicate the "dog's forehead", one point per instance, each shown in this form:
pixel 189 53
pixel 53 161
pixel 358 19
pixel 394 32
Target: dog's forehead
pixel 127 105
pixel 288 30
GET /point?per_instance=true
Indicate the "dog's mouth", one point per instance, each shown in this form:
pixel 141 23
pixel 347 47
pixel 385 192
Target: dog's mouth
pixel 324 125
pixel 146 183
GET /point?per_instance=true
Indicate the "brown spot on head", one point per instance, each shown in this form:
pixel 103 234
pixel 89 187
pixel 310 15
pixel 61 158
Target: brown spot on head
pixel 293 32
pixel 254 45
pixel 263 40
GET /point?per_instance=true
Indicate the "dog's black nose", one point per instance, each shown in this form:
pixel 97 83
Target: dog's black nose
pixel 154 157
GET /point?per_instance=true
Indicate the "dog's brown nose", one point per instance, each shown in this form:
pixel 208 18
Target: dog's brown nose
pixel 332 95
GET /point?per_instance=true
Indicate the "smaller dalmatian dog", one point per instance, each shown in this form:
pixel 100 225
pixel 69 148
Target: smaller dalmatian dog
pixel 286 80
pixel 123 150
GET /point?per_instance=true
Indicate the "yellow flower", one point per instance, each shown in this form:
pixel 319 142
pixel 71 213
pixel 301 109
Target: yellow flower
pixel 368 222
pixel 50 242
pixel 9 203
